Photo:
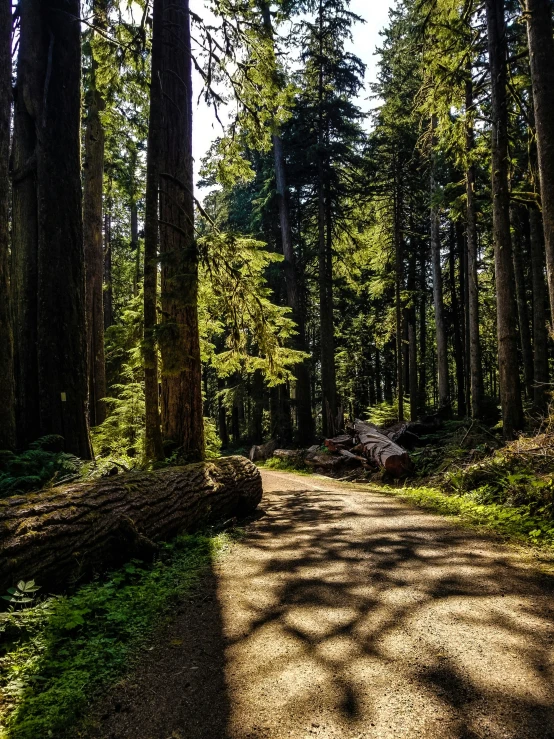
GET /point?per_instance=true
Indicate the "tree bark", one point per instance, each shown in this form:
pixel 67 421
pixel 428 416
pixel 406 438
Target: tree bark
pixel 153 447
pixel 422 403
pixel 538 14
pixel 181 402
pixel 7 387
pixel 522 312
pixel 540 334
pixel 510 396
pixel 327 330
pixel 457 321
pixel 475 368
pixel 398 281
pixel 24 267
pixel 108 286
pixel 379 449
pixel 135 245
pixel 93 180
pixel 440 324
pixel 49 245
pixel 66 534
pixel 412 336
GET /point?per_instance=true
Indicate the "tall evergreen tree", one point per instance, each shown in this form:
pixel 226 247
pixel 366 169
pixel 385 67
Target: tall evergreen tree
pixel 7 389
pixel 48 259
pixel 182 418
pixel 510 396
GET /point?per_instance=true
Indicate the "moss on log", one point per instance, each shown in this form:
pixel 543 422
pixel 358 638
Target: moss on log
pixel 64 535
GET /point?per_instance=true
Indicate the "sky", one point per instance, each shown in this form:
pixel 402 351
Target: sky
pixel 366 40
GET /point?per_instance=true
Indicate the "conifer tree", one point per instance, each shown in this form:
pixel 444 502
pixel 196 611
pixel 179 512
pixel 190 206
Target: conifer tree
pixel 48 258
pixel 7 389
pixel 510 396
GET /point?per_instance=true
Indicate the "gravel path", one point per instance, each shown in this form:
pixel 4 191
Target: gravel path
pixel 347 613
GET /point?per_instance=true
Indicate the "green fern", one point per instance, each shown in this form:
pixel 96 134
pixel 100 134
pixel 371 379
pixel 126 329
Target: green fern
pixel 37 468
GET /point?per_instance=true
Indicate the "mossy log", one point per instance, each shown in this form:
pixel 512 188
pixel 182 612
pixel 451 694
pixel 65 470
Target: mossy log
pixel 63 535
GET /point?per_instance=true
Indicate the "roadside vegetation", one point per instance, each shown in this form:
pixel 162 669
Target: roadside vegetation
pixel 57 652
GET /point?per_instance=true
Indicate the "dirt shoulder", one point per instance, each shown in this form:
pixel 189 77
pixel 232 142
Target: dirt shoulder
pixel 348 613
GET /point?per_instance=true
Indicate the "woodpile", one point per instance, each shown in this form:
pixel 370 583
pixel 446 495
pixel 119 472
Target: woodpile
pixel 361 445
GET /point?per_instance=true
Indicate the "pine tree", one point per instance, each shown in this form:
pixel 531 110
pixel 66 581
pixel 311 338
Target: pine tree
pixel 7 389
pixel 510 396
pixel 51 376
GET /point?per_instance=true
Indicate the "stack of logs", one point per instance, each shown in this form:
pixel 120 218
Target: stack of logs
pixel 361 445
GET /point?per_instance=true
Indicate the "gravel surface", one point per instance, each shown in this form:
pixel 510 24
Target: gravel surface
pixel 347 613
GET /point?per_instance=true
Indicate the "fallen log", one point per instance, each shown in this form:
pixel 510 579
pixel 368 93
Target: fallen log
pixel 408 434
pixel 380 449
pixel 262 452
pixel 354 458
pixel 291 455
pixel 324 461
pixel 344 441
pixel 65 534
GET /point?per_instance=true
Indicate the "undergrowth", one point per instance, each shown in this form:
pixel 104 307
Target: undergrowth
pixel 292 465
pixel 42 465
pixel 63 650
pixel 515 523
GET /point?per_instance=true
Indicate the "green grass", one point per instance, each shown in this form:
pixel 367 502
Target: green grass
pixel 286 465
pixel 57 654
pixel 517 523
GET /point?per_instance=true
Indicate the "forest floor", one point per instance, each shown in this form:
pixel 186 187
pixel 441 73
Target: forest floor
pixel 345 612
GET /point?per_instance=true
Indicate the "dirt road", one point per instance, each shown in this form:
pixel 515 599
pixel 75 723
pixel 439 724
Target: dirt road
pixel 346 613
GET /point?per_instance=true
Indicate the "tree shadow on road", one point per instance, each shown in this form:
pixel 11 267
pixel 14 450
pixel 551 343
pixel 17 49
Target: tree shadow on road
pixel 177 690
pixel 350 615
pixel 395 612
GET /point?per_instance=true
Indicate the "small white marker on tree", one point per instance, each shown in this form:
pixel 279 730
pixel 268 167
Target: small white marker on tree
pixel 63 397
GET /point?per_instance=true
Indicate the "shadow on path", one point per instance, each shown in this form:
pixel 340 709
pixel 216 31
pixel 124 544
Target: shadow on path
pixel 178 690
pixel 348 614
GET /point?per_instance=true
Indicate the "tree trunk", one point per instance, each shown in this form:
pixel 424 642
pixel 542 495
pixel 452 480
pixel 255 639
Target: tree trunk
pixel 510 396
pixel 48 246
pixel 24 267
pixel 457 322
pixel 135 246
pixel 440 326
pixel 540 335
pixel 108 287
pixel 411 340
pixel 153 436
pixel 292 280
pixel 464 312
pixel 522 312
pixel 93 180
pixel 422 403
pixel 327 343
pixel 378 380
pixel 7 388
pixel 182 417
pixel 258 407
pixel 327 338
pixel 538 14
pixel 63 535
pixel 398 281
pixel 475 368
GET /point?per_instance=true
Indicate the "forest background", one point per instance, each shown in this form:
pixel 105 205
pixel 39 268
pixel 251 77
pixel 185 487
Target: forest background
pixel 377 249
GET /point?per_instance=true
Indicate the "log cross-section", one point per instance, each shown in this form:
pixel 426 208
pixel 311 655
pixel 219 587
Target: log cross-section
pixel 62 535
